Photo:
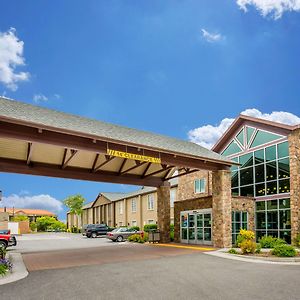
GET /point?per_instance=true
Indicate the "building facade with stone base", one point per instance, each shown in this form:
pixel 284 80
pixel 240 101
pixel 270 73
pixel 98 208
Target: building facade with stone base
pixel 265 187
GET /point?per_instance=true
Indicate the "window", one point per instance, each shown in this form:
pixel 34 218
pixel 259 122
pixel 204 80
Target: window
pixel 134 223
pixel 121 207
pixel 120 224
pixel 172 197
pixel 239 221
pixel 150 201
pixel 133 205
pixel 199 186
pixel 273 217
pixel 151 222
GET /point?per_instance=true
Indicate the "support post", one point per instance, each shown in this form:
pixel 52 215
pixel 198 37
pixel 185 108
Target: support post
pixel 221 209
pixel 163 211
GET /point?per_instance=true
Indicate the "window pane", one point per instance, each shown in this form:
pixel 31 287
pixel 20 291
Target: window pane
pixel 284 203
pixel 259 173
pixel 284 186
pixel 244 216
pixel 237 216
pixel 240 137
pixel 272 188
pixel 272 204
pixel 260 190
pixel 234 179
pixel 247 191
pixel 283 149
pixel 286 235
pixel 285 219
pixel 191 233
pixel 200 220
pixel 250 131
pixel 260 234
pixel 207 234
pixel 273 233
pixel 284 168
pixel 184 219
pixel 260 220
pixel 232 149
pixel 207 220
pixel 271 171
pixel 235 192
pixel 191 220
pixel 272 220
pixel 184 234
pixel 246 160
pixel 200 233
pixel 263 137
pixel 246 176
pixel 271 153
pixel 259 156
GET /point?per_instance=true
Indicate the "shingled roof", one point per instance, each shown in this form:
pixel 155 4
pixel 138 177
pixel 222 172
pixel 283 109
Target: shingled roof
pixel 51 119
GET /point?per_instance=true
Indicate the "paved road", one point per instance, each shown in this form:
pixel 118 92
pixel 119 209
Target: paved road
pixel 191 276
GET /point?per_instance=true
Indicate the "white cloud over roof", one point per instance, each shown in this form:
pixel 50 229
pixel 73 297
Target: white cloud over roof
pixel 274 8
pixel 211 37
pixel 208 135
pixel 11 57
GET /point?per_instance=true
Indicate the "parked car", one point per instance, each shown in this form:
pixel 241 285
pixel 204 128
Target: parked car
pixel 97 230
pixel 6 239
pixel 85 227
pixel 121 234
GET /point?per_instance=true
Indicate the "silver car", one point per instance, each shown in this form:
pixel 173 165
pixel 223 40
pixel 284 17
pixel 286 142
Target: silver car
pixel 121 234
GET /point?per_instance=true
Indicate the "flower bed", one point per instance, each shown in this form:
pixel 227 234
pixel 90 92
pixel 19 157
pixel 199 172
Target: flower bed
pixel 5 263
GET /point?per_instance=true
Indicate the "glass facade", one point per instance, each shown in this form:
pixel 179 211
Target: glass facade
pixel 239 221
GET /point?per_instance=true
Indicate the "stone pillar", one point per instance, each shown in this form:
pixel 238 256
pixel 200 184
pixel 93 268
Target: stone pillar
pixel 221 209
pixel 163 212
pixel 294 152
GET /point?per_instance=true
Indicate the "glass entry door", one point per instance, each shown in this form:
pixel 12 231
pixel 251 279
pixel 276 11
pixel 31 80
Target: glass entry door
pixel 196 227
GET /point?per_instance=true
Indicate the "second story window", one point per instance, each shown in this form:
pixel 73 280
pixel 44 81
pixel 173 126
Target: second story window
pixel 133 205
pixel 121 207
pixel 173 193
pixel 199 185
pixel 151 202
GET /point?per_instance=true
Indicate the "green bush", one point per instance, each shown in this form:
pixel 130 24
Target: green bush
pixel 284 251
pixel 232 251
pixel 248 246
pixel 20 218
pixel 136 238
pixel 297 240
pixel 137 228
pixel 244 235
pixel 32 226
pixel 258 248
pixel 2 252
pixel 3 269
pixel 268 241
pixel 172 236
pixel 149 227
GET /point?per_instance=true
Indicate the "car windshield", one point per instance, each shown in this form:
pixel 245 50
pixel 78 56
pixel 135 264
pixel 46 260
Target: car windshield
pixel 115 230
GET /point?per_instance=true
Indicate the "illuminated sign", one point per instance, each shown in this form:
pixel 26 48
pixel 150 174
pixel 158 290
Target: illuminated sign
pixel 134 156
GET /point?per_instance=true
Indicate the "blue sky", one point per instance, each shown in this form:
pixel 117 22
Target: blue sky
pixel 163 66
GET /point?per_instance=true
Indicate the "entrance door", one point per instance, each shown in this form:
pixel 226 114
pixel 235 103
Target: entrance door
pixel 195 227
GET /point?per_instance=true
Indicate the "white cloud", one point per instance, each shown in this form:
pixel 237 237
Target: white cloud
pixel 11 56
pixel 274 8
pixel 211 37
pixel 208 135
pixel 35 202
pixel 38 98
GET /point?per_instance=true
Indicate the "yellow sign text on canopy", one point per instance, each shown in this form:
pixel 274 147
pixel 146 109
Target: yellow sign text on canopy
pixel 133 156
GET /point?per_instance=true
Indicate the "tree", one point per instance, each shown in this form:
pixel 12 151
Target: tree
pixel 20 218
pixel 75 203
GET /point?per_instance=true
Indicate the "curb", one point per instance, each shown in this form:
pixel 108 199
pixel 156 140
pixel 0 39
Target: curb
pixel 19 270
pixel 221 254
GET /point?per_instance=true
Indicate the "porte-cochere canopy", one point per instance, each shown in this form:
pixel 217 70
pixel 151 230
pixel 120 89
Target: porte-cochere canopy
pixel 40 141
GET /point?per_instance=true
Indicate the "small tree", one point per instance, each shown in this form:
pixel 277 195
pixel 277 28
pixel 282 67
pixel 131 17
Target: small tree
pixel 20 218
pixel 43 223
pixel 75 203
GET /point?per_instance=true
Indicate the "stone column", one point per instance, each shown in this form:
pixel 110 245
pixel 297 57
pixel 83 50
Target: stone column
pixel 294 152
pixel 163 212
pixel 221 209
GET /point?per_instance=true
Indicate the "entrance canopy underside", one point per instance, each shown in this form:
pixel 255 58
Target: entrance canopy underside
pixel 39 141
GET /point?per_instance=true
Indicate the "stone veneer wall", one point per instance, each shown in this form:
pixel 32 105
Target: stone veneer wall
pixel 294 152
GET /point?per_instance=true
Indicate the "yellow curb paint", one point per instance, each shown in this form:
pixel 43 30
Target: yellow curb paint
pixel 185 247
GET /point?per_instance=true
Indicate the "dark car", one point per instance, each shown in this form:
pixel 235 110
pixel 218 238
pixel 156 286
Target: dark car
pixel 97 230
pixel 85 227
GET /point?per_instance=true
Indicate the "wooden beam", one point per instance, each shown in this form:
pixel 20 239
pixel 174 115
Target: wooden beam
pixel 66 161
pixel 29 153
pixel 158 171
pixel 95 162
pixel 138 164
pixel 170 170
pixel 43 169
pixel 182 174
pixel 122 166
pixel 108 159
pixel 146 170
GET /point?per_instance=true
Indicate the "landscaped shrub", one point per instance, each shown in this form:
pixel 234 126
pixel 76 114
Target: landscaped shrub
pixel 149 227
pixel 248 246
pixel 137 238
pixel 3 270
pixel 297 240
pixel 137 228
pixel 2 252
pixel 258 248
pixel 20 218
pixel 232 251
pixel 172 232
pixel 244 235
pixel 32 226
pixel 284 251
pixel 268 241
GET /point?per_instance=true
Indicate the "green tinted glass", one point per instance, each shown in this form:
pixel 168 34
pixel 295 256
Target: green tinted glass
pixel 231 149
pixel 260 205
pixel 263 137
pixel 240 137
pixel 250 131
pixel 283 149
pixel 259 156
pixel 271 153
pixel 246 160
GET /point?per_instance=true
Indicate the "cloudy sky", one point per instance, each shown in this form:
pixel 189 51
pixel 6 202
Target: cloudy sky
pixel 180 68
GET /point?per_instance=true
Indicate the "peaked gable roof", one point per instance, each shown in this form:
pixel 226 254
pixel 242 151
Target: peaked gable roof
pixel 241 120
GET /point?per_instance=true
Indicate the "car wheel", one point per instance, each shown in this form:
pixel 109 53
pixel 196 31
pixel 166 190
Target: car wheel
pixel 3 245
pixel 94 235
pixel 119 238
